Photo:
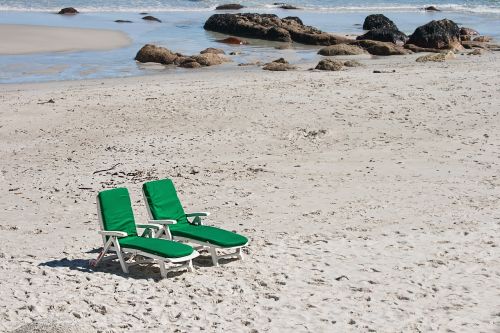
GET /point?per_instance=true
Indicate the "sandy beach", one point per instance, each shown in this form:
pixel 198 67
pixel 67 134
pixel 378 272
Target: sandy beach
pixel 371 199
pixel 26 39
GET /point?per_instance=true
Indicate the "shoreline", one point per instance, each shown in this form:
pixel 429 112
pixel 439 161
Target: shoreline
pixel 22 39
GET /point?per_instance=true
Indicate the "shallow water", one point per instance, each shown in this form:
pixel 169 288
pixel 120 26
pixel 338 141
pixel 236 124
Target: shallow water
pixel 182 31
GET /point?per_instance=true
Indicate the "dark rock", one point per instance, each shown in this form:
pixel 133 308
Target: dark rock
pixel 432 9
pixel 378 21
pixel 442 34
pixel 385 35
pixel 143 13
pixel 294 18
pixel 233 40
pixel 229 6
pixel 270 27
pixel 380 48
pixel 482 39
pixel 151 18
pixel 281 61
pixel 468 32
pixel 68 11
pixel 213 50
pixel 123 21
pixel 153 53
pixel 341 49
pixel 330 65
pixel 285 6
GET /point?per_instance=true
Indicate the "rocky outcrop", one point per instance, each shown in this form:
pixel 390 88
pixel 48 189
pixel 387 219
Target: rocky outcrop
pixel 330 65
pixel 482 39
pixel 341 49
pixel 230 6
pixel 161 55
pixel 151 18
pixel 213 50
pixel 385 35
pixel 68 11
pixel 415 48
pixel 270 27
pixel 442 34
pixel 378 21
pixel 437 57
pixel 381 48
pixel 294 18
pixel 432 9
pixel 286 6
pixel 279 65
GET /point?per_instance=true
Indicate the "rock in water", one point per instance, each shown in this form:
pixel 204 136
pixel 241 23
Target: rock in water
pixel 123 21
pixel 330 65
pixel 378 21
pixel 209 59
pixel 437 57
pixel 233 40
pixel 151 18
pixel 158 54
pixel 213 50
pixel 432 9
pixel 468 32
pixel 341 49
pixel 442 34
pixel 270 27
pixel 285 6
pixel 230 6
pixel 68 10
pixel 385 35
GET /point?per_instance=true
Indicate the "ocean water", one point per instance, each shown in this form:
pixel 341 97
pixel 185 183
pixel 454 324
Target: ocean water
pixel 182 30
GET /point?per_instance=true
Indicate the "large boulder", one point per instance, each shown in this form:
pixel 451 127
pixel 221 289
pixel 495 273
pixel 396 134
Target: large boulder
pixel 209 59
pixel 380 48
pixel 330 65
pixel 442 34
pixel 378 21
pixel 341 49
pixel 385 35
pixel 68 11
pixel 230 6
pixel 270 27
pixel 153 53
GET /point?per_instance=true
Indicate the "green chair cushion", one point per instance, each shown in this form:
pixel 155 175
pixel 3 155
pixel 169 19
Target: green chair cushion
pixel 116 211
pixel 160 247
pixel 211 235
pixel 163 201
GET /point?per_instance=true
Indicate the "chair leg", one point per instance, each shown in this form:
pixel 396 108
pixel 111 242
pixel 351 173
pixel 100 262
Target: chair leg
pixel 120 256
pixel 190 266
pixel 213 252
pixel 163 270
pixel 239 253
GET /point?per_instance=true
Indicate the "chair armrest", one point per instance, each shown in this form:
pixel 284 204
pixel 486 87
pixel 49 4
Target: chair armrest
pixel 163 222
pixel 113 233
pixel 198 214
pixel 149 226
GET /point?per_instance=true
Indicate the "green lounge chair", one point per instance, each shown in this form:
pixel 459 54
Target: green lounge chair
pixel 164 207
pixel 119 234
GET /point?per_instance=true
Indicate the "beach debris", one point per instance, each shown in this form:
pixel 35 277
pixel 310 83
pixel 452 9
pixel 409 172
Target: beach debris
pixel 378 21
pixel 68 11
pixel 230 6
pixel 213 50
pixel 151 18
pixel 109 169
pixel 437 57
pixel 385 35
pixel 384 72
pixel 50 101
pixel 330 65
pixel 342 277
pixel 270 27
pixel 279 65
pixel 233 40
pixel 123 21
pixel 442 34
pixel 432 9
pixel 381 48
pixel 341 49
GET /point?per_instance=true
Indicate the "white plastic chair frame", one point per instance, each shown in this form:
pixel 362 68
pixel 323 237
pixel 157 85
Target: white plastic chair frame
pixel 212 248
pixel 123 254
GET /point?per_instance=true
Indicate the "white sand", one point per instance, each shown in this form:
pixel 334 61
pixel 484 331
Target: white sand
pixel 371 200
pixel 24 39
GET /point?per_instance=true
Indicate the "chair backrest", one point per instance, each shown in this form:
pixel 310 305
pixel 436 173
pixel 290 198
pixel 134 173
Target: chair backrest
pixel 116 212
pixel 163 202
